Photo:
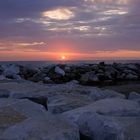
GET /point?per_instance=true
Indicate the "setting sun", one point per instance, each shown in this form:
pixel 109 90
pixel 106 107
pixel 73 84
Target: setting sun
pixel 63 57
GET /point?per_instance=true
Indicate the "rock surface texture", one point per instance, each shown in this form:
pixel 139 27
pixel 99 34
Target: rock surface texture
pixel 24 120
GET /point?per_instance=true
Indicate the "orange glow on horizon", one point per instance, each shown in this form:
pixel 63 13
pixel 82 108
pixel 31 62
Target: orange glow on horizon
pixel 35 55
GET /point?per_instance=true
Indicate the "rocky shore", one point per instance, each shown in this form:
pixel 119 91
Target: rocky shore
pixel 53 103
pixel 86 74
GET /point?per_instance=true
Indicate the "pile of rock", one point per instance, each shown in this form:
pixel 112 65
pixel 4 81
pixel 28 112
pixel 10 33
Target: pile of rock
pixel 33 111
pixel 89 74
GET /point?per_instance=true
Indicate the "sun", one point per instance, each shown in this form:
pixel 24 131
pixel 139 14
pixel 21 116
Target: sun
pixel 63 57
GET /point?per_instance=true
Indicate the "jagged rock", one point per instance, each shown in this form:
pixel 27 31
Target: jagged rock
pixel 62 103
pixel 47 80
pixel 24 120
pixel 2 77
pixel 111 107
pixel 108 119
pixel 11 71
pixel 134 95
pixel 100 127
pixel 38 77
pixel 4 93
pixel 89 78
pixel 98 94
pixel 60 71
pixel 27 72
pixel 132 67
pixel 131 76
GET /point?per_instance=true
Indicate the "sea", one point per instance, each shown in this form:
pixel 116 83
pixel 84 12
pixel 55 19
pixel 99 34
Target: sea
pixel 76 62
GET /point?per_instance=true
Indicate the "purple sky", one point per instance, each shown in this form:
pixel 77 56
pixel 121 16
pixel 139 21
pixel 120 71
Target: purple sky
pixel 88 27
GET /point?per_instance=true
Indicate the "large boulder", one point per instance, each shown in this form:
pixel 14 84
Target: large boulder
pixel 134 95
pixel 112 107
pixel 100 127
pixel 4 93
pixel 59 71
pixel 62 103
pixel 131 76
pixel 11 71
pixel 38 77
pixel 108 119
pixel 98 94
pixel 89 78
pixel 24 120
pixel 2 77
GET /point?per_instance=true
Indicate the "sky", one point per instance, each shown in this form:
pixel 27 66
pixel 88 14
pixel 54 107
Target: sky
pixel 77 29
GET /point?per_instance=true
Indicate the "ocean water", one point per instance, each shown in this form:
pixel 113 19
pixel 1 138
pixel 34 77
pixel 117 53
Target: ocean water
pixel 45 63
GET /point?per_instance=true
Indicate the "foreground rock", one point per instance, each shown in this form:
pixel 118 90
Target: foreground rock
pixel 60 98
pixel 134 96
pixel 108 119
pixel 98 94
pixel 24 120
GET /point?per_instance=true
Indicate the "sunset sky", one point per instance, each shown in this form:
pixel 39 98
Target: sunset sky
pixel 77 29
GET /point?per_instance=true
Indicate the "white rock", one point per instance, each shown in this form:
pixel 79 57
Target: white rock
pixel 24 120
pixel 59 71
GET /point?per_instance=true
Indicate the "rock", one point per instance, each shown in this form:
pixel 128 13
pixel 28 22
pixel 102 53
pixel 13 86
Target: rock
pixel 62 103
pixel 89 78
pixel 47 80
pixel 39 100
pixel 132 67
pixel 2 77
pixel 110 107
pixel 38 77
pixel 1 70
pixel 67 68
pixel 98 94
pixel 4 93
pixel 134 95
pixel 24 120
pixel 100 127
pixel 27 72
pixel 60 71
pixel 108 119
pixel 131 77
pixel 11 71
pixel 73 82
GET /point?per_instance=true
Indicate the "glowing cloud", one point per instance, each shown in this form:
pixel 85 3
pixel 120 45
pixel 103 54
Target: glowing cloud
pixel 59 14
pixel 30 44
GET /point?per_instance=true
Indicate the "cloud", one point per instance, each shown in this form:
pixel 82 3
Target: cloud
pixel 97 24
pixel 59 14
pixel 30 44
